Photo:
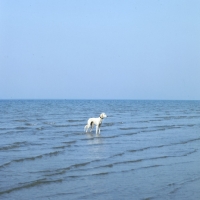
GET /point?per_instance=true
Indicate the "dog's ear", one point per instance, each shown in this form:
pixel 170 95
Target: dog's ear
pixel 101 115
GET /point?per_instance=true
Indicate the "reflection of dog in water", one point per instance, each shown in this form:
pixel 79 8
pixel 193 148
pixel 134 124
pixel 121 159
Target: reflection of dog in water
pixel 95 121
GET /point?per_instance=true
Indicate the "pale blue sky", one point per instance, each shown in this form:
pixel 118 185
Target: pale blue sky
pixel 100 49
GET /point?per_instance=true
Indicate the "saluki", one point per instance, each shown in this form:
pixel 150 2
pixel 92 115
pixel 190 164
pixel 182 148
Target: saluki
pixel 95 121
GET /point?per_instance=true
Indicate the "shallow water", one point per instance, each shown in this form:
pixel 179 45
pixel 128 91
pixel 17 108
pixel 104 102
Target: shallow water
pixel 146 150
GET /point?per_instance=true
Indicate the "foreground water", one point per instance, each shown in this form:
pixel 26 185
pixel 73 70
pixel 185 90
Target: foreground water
pixel 146 150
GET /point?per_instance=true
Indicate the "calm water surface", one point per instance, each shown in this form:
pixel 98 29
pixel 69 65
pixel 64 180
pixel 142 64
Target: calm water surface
pixel 146 150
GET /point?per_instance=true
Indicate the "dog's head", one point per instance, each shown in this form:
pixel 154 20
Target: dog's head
pixel 103 115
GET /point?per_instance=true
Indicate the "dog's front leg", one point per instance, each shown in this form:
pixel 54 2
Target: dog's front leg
pixel 97 129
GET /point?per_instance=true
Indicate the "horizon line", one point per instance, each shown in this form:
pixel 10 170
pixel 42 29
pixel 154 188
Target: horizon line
pixel 96 99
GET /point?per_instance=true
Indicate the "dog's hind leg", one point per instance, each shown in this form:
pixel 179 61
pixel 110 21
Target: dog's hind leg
pixel 91 126
pixel 86 128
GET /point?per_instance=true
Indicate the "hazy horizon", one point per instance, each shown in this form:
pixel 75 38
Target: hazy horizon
pixel 55 99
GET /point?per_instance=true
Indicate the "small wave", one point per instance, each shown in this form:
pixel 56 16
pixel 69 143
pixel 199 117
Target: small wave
pixel 165 145
pixel 187 141
pixel 3 129
pixel 131 133
pixel 49 123
pixel 26 159
pixel 137 161
pixel 20 120
pixel 190 125
pixel 192 117
pixel 109 124
pixel 155 120
pixel 30 124
pixel 104 166
pixel 161 128
pixel 75 120
pixel 74 176
pixel 161 157
pixel 129 128
pixel 54 171
pixel 134 128
pixel 119 154
pixel 66 125
pixel 58 172
pixel 62 125
pixel 130 161
pixel 177 186
pixel 5 164
pixel 21 128
pixel 128 170
pixel 144 121
pixel 110 165
pixel 13 146
pixel 87 139
pixel 80 165
pixel 76 133
pixel 70 142
pixel 59 147
pixel 8 132
pixel 113 136
pixel 191 152
pixel 30 184
pixel 142 149
pixel 155 130
pixel 101 174
pixel 151 166
pixel 180 117
pixel 55 153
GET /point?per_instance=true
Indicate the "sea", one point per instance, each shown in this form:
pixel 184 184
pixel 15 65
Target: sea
pixel 146 150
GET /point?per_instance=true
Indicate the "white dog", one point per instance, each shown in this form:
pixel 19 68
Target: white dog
pixel 96 121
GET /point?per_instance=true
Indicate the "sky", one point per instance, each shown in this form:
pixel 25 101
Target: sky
pixel 100 49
